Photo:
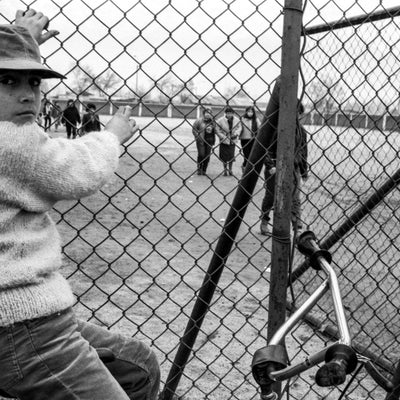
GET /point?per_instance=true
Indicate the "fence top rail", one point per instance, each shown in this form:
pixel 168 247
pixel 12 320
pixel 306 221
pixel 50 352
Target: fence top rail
pixel 353 21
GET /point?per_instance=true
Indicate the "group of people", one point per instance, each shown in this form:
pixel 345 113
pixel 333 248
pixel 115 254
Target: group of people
pixel 230 129
pixel 70 117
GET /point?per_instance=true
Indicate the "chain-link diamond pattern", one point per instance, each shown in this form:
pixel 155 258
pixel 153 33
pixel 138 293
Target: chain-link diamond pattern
pixel 136 252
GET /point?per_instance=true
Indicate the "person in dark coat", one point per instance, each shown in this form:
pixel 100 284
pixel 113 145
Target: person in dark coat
pixel 90 120
pixel 300 173
pixel 71 119
pixel 204 134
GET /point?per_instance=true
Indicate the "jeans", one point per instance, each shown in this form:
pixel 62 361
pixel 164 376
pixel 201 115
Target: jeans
pixel 247 145
pixel 71 130
pixel 268 200
pixel 204 148
pixel 54 358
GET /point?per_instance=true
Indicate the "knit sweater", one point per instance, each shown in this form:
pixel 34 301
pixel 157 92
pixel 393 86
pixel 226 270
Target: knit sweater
pixel 35 172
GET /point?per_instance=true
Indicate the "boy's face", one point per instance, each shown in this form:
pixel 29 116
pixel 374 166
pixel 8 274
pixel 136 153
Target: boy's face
pixel 19 96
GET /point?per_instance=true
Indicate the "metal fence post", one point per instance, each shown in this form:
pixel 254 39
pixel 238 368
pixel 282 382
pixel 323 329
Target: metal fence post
pixel 281 246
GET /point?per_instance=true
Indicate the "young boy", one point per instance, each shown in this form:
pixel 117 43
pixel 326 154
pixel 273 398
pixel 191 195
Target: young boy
pixel 45 352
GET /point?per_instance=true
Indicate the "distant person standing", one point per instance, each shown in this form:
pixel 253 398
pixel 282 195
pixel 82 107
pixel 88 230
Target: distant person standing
pixel 56 115
pixel 46 112
pixel 71 119
pixel 228 130
pixel 204 134
pixel 250 125
pixel 90 120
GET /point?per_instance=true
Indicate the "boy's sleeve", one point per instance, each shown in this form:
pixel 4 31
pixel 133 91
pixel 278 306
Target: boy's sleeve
pixel 59 169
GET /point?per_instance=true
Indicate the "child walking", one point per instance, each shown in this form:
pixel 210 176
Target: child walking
pixel 45 351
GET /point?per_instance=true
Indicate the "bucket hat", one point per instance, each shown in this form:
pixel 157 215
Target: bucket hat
pixel 20 51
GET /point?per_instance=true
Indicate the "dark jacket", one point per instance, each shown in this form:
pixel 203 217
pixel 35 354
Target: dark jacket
pixel 300 152
pixel 90 123
pixel 202 128
pixel 71 116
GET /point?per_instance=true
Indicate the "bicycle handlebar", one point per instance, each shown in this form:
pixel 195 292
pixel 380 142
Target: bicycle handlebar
pixel 270 365
pixel 308 246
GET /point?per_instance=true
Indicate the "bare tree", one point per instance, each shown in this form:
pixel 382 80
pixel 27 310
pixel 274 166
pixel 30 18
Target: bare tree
pixel 326 94
pixel 82 78
pixel 107 81
pixel 187 92
pixel 168 87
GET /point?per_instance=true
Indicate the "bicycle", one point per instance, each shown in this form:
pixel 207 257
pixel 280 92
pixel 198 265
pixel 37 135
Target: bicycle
pixel 270 364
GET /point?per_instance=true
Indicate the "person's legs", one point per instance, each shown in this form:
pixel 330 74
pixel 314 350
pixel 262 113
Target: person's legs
pixel 47 123
pixel 223 157
pixel 207 154
pixel 48 359
pixel 297 222
pixel 57 123
pixel 200 156
pixel 68 127
pixel 230 167
pixel 225 169
pixel 247 145
pixel 268 200
pixel 73 128
pixel 135 368
pixel 231 158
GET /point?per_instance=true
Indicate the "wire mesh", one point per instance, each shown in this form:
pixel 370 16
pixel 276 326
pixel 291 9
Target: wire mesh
pixel 136 252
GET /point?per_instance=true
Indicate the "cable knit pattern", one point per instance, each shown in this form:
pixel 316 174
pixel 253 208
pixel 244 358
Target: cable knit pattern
pixel 36 172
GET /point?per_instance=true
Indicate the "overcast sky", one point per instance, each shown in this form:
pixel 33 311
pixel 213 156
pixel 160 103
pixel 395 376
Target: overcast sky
pixel 218 43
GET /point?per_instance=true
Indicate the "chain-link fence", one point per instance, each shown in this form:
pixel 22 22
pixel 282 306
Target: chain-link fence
pixel 137 252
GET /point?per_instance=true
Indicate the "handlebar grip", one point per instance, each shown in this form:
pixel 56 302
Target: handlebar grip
pixel 307 245
pixel 381 380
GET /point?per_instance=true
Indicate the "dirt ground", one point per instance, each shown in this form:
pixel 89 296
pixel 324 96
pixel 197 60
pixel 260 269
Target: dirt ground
pixel 137 252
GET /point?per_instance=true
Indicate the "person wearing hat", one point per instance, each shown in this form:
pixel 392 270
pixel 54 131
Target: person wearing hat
pixel 90 120
pixel 71 118
pixel 204 133
pixel 228 131
pixel 45 351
